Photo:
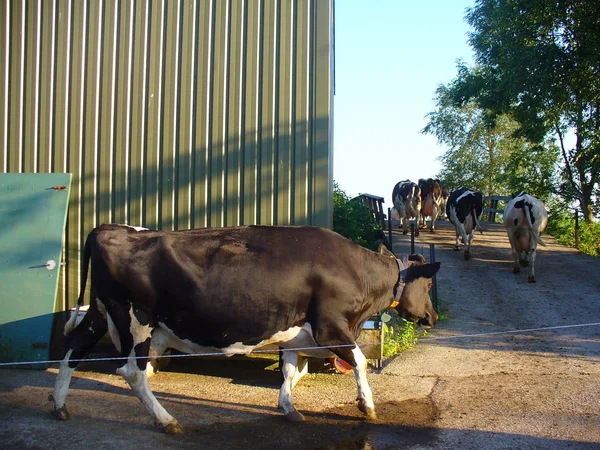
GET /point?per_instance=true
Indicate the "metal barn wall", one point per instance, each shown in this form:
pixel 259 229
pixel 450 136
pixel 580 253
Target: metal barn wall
pixel 171 114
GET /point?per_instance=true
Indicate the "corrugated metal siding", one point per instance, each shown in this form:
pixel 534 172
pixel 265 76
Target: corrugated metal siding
pixel 171 114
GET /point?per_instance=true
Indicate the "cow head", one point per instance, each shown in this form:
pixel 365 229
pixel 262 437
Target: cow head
pixel 414 304
pixel 412 289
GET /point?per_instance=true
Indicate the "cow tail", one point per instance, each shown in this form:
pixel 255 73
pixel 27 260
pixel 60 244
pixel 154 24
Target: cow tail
pixel 527 211
pixel 85 264
pixel 477 224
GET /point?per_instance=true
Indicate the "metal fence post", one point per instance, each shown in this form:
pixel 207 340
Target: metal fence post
pixel 412 238
pixel 434 292
pixel 390 229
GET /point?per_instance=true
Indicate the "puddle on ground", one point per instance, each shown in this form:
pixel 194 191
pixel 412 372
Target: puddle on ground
pixel 398 425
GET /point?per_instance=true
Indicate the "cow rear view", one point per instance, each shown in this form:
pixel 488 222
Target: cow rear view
pixel 431 199
pixel 464 208
pixel 406 197
pixel 233 290
pixel 525 219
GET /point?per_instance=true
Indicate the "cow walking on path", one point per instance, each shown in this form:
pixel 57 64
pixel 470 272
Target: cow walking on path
pixel 464 208
pixel 234 290
pixel 525 219
pixel 431 198
pixel 406 197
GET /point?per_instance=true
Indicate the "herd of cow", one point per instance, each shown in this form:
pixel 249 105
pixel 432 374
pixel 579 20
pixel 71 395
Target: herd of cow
pixel 525 217
pixel 307 290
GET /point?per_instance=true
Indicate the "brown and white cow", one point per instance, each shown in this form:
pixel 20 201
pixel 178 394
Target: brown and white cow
pixel 525 219
pixel 464 209
pixel 443 203
pixel 406 197
pixel 233 290
pixel 431 197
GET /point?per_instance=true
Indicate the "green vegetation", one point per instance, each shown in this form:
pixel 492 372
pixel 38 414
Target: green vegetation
pixel 354 220
pixel 561 225
pixel 488 157
pixel 399 335
pixel 537 62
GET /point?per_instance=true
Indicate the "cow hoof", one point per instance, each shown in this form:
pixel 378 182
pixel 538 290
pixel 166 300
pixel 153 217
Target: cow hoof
pixel 173 427
pixel 531 279
pixel 367 410
pixel 404 231
pixel 456 248
pixel 61 413
pixel 294 416
pixel 372 416
pixel 516 269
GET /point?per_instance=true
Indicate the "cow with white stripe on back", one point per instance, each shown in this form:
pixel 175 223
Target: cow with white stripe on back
pixel 464 208
pixel 406 197
pixel 525 219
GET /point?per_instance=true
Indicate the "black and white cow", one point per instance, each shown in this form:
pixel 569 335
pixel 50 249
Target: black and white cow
pixel 406 197
pixel 235 290
pixel 431 197
pixel 464 208
pixel 525 219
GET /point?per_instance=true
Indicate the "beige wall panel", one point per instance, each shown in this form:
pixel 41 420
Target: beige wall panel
pixel 171 114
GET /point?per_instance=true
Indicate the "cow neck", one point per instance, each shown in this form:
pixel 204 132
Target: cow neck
pixel 402 272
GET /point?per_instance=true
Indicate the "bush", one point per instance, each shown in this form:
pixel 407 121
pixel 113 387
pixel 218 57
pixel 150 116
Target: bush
pixel 561 225
pixel 399 335
pixel 354 220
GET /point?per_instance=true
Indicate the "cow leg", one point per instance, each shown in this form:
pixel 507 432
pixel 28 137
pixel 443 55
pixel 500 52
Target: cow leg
pixel 356 358
pixel 290 372
pixel 514 252
pixel 301 370
pixel 77 344
pixel 135 340
pixel 417 218
pixel 433 216
pixel 532 254
pixel 137 379
pixel 457 244
pixel 365 396
pixel 516 263
pixel 158 347
pixel 468 245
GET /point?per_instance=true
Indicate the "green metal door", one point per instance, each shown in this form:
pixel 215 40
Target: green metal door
pixel 33 210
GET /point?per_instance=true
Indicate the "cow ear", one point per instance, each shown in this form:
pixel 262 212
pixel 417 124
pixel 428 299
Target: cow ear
pixel 422 271
pixel 417 257
pixel 385 252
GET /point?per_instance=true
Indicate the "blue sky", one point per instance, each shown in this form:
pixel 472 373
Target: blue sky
pixel 391 55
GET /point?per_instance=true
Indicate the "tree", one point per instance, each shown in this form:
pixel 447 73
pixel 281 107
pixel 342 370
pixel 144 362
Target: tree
pixel 486 155
pixel 538 62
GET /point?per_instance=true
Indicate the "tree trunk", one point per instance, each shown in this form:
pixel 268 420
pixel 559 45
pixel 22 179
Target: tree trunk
pixel 586 203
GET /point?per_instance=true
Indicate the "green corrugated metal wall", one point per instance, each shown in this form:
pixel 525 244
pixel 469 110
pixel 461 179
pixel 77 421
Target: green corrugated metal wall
pixel 171 114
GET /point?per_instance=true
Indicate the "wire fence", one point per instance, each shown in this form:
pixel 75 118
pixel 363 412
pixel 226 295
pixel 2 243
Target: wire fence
pixel 300 349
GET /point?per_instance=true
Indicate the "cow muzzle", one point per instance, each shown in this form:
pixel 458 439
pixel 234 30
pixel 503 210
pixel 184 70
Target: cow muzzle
pixel 429 320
